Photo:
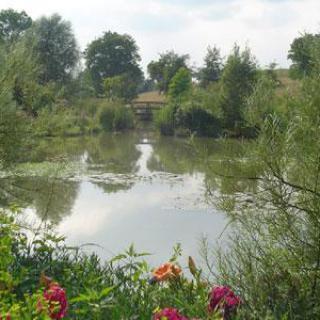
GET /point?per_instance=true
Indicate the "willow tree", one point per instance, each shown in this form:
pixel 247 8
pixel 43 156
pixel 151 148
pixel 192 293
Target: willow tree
pixel 274 255
pixel 56 48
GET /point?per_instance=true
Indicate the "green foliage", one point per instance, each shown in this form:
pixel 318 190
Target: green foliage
pixel 194 111
pixel 262 102
pixel 13 25
pixel 115 117
pixel 273 257
pixel 180 85
pixel 198 120
pixel 56 48
pixel 237 81
pixel 84 116
pixel 13 124
pixel 112 55
pixel 165 120
pixel 13 130
pixel 163 70
pixel 212 69
pixel 56 121
pixel 120 87
pixel 302 54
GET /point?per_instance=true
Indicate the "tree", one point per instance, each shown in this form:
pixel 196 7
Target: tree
pixel 180 85
pixel 56 48
pixel 163 70
pixel 301 54
pixel 112 55
pixel 13 127
pixel 13 25
pixel 212 69
pixel 120 87
pixel 21 73
pixel 273 258
pixel 238 78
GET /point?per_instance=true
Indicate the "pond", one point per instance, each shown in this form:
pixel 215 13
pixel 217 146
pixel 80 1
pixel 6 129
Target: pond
pixel 116 189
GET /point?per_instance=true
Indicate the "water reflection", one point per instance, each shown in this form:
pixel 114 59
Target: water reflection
pixel 117 189
pixel 52 199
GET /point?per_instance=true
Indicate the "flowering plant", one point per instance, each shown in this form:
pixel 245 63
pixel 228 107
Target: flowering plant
pixel 222 298
pixel 169 314
pixel 165 272
pixel 55 297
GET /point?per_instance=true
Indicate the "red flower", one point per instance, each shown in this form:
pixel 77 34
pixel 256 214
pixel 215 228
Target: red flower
pixel 223 298
pixel 55 296
pixel 8 317
pixel 169 314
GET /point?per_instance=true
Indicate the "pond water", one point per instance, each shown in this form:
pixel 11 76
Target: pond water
pixel 117 189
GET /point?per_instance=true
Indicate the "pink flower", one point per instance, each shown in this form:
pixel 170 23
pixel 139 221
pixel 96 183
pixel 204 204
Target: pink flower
pixel 169 314
pixel 56 298
pixel 222 298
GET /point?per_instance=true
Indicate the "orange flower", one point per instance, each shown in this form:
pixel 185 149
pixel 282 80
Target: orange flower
pixel 166 271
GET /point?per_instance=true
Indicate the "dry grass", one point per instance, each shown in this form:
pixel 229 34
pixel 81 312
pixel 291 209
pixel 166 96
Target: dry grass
pixel 287 84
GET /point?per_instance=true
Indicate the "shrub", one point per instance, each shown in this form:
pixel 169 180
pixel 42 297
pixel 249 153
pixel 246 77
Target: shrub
pixel 116 117
pixel 199 121
pixel 164 120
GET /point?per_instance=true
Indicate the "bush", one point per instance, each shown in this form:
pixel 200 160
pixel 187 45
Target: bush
pixel 199 121
pixel 116 117
pixel 56 122
pixel 164 120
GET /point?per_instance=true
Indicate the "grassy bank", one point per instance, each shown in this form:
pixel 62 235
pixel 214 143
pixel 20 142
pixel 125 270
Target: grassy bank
pixel 79 117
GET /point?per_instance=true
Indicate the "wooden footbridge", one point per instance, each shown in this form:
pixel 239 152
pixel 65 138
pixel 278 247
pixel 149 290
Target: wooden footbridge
pixel 146 104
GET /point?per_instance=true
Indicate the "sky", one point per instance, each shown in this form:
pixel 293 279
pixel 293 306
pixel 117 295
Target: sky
pixel 187 26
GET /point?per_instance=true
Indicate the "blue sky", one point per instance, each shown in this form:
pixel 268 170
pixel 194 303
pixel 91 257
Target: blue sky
pixel 188 26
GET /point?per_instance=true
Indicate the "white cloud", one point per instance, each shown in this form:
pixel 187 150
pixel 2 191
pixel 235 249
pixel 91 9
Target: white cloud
pixel 188 26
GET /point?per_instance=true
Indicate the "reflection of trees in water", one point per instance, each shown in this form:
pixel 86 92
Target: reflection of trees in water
pixel 223 163
pixel 172 155
pixel 52 199
pixel 114 187
pixel 229 178
pixel 114 153
pixel 234 173
pixel 44 149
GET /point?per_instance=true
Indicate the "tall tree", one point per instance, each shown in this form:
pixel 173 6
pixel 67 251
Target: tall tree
pixel 212 69
pixel 163 70
pixel 239 76
pixel 112 55
pixel 180 84
pixel 13 127
pixel 13 24
pixel 301 54
pixel 56 48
